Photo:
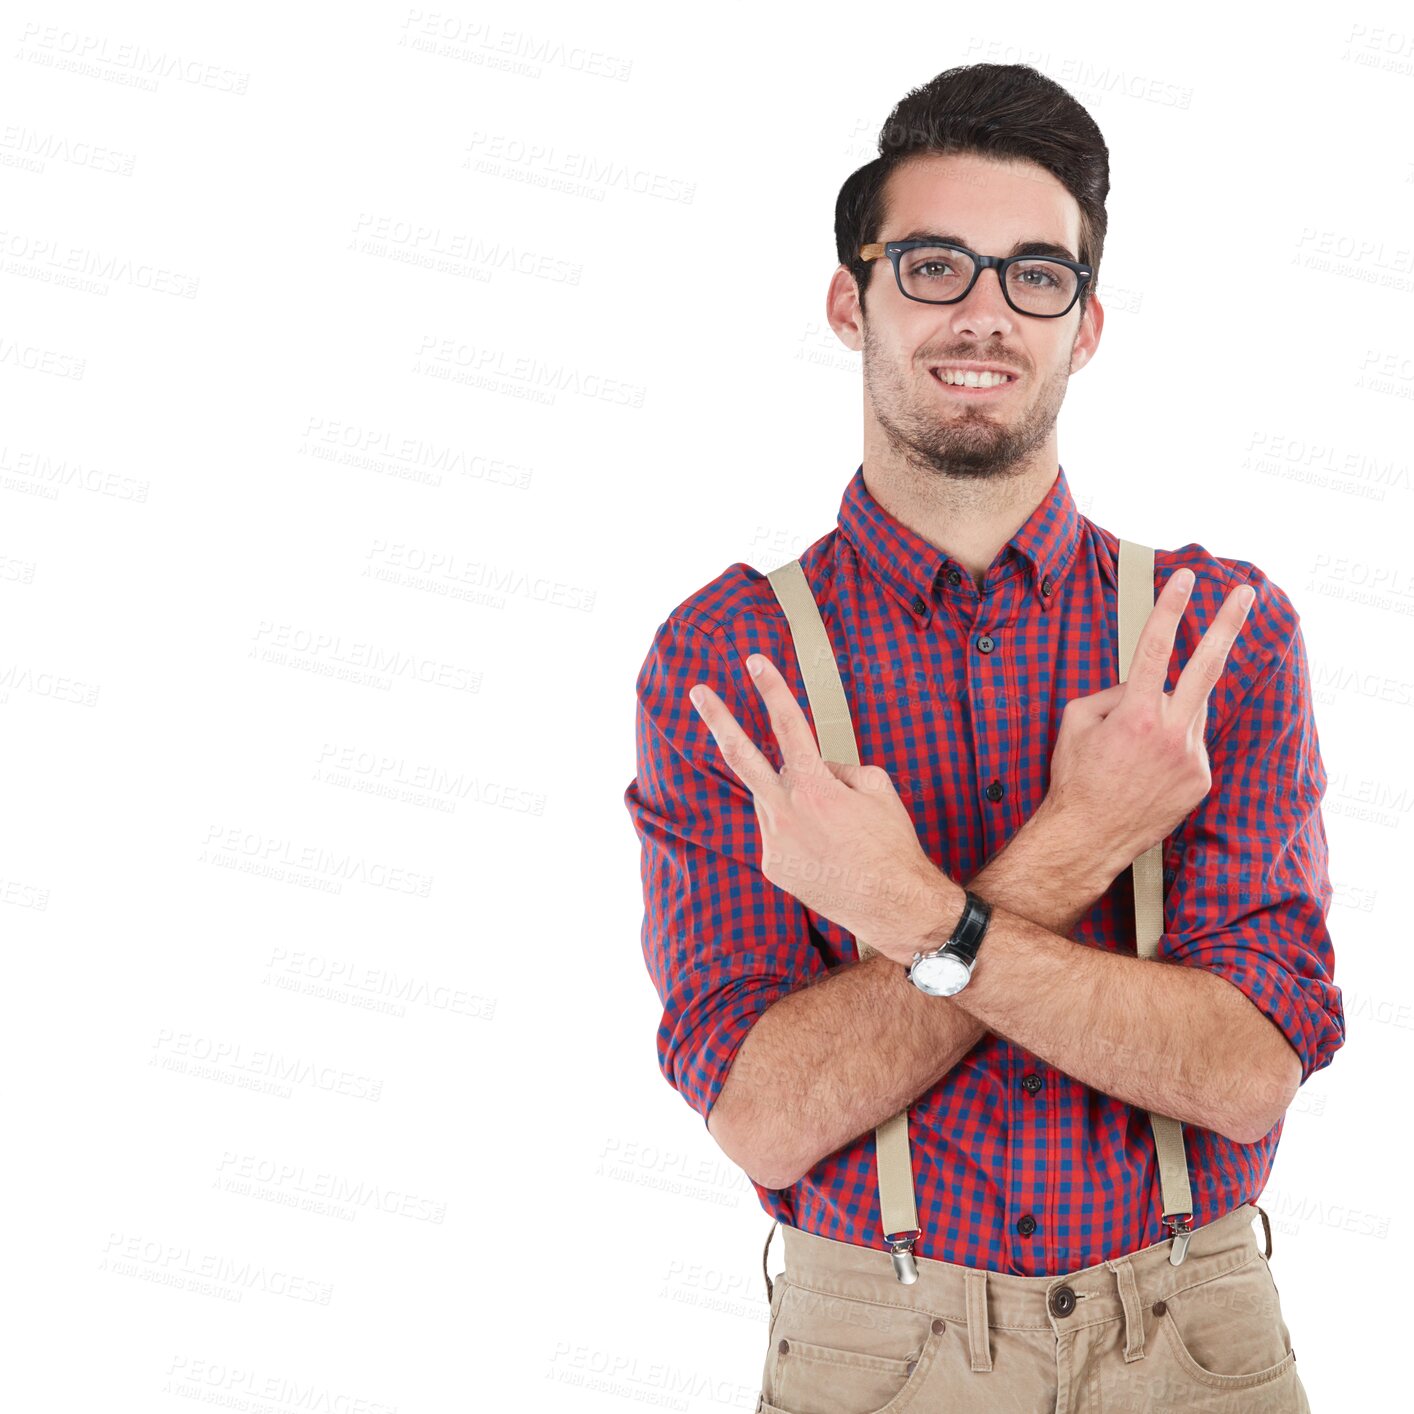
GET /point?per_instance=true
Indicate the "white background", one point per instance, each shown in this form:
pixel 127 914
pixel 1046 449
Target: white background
pixel 375 381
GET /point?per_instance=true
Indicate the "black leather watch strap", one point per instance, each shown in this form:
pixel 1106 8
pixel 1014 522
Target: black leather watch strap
pixel 967 936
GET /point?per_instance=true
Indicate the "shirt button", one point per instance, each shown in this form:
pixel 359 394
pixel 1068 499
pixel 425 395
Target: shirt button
pixel 1063 1301
pixel 1159 1308
pixel 986 643
pixel 954 577
pixel 1046 585
pixel 1031 1082
pixel 918 604
pixel 994 791
pixel 1026 1225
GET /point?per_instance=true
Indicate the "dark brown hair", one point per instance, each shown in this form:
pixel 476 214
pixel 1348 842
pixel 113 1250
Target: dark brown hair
pixel 1006 111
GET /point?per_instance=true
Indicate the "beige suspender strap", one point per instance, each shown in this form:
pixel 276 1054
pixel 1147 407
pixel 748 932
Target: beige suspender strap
pixel 834 731
pixel 1136 599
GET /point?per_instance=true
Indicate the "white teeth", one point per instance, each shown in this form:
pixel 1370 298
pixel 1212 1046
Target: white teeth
pixel 972 379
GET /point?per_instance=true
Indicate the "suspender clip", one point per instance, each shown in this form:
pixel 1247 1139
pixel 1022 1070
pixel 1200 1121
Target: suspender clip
pixel 901 1249
pixel 1181 1226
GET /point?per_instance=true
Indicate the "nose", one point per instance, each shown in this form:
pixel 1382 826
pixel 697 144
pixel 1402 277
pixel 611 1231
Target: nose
pixel 985 311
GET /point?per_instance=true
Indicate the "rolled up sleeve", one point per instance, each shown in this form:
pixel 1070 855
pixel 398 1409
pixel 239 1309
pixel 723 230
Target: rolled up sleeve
pixel 721 942
pixel 1251 885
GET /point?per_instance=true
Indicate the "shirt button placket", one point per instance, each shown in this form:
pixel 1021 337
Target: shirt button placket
pixel 1031 1083
pixel 985 644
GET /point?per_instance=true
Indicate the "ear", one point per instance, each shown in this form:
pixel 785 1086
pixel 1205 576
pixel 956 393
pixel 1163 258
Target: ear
pixel 842 309
pixel 1087 336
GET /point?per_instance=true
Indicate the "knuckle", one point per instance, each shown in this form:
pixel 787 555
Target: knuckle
pixel 1196 786
pixel 1144 723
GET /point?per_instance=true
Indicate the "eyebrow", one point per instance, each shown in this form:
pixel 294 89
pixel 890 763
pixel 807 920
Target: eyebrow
pixel 1020 248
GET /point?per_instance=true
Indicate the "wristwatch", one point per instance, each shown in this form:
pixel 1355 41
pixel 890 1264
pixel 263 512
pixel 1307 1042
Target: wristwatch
pixel 947 970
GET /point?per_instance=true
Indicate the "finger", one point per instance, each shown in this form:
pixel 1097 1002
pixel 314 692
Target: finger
pixel 847 772
pixel 1148 670
pixel 1202 671
pixel 799 749
pixel 1097 705
pixel 740 753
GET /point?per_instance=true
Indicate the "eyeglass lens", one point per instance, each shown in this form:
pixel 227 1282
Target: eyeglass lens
pixel 942 273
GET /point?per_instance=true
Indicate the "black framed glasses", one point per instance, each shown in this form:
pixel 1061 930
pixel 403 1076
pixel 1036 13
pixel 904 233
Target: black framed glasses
pixel 936 272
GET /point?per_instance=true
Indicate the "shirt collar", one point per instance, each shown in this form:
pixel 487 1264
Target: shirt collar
pixel 900 558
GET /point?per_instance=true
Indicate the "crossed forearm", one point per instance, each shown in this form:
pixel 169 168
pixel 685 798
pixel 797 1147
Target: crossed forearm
pixel 1177 1040
pixel 838 1057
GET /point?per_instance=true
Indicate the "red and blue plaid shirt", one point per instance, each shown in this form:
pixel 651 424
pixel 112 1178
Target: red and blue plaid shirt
pixel 966 737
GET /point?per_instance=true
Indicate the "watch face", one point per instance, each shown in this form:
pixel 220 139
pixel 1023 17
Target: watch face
pixel 940 976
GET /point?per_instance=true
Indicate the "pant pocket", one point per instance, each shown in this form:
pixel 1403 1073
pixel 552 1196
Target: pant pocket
pixel 833 1354
pixel 821 1379
pixel 1206 1343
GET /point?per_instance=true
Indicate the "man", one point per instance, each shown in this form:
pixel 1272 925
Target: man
pixel 1011 777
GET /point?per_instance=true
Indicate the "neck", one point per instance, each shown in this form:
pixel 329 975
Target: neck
pixel 969 516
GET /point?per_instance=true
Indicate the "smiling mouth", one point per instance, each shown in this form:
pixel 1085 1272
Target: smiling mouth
pixel 974 385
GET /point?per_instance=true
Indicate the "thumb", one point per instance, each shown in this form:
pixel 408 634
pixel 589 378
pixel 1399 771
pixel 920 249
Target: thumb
pixel 844 771
pixel 1095 706
pixel 863 777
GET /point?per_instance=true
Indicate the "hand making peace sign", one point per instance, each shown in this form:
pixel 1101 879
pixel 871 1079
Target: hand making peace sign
pixel 1129 763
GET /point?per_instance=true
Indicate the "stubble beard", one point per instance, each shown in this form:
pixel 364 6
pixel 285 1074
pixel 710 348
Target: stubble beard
pixel 972 443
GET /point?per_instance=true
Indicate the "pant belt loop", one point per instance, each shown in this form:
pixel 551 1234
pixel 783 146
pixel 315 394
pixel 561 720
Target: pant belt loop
pixel 1129 1297
pixel 765 1272
pixel 978 1335
pixel 1267 1228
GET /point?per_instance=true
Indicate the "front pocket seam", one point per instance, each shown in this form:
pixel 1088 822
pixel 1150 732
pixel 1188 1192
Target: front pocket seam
pixel 922 1363
pixel 855 1359
pixel 1211 1377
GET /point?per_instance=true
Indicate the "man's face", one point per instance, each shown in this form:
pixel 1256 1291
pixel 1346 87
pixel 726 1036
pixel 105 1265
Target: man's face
pixel 989 206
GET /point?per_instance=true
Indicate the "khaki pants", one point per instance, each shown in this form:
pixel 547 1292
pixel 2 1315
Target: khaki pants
pixel 1134 1333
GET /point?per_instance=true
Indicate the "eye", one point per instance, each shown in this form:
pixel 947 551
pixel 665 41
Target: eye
pixel 1038 277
